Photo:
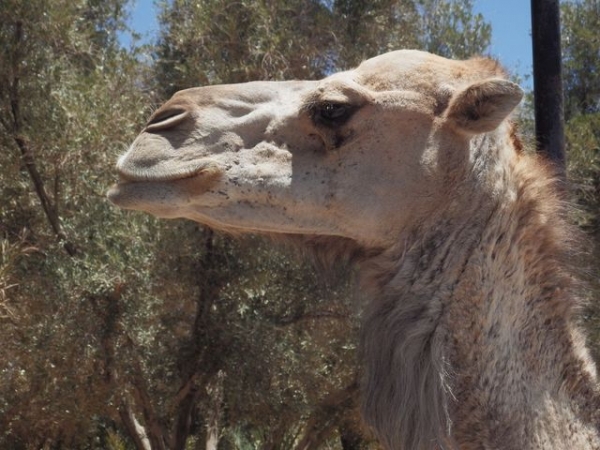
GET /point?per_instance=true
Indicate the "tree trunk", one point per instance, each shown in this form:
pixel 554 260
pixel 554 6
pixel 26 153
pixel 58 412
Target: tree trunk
pixel 49 207
pixel 183 421
pixel 327 416
pixel 212 438
pixel 135 430
pixel 213 423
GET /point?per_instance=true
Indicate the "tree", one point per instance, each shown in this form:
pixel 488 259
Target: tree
pixel 448 28
pixel 212 41
pixel 581 48
pixel 581 51
pixel 366 29
pixel 64 83
pixel 451 29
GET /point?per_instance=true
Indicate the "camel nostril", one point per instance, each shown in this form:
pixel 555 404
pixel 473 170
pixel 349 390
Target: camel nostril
pixel 166 118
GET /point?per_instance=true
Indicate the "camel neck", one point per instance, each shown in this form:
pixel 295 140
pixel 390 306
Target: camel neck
pixel 482 312
pixel 516 352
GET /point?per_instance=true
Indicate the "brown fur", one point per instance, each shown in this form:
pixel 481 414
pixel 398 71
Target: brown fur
pixel 478 327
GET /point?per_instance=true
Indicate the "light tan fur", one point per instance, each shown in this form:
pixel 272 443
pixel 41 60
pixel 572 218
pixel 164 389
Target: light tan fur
pixel 408 164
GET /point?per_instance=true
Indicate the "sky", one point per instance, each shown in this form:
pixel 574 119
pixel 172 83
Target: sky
pixel 510 19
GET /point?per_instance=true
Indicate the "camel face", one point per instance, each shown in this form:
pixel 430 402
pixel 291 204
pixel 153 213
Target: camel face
pixel 361 154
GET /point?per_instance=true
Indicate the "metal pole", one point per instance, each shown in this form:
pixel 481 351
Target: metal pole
pixel 547 80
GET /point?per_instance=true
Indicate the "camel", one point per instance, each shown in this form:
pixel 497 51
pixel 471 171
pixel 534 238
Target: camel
pixel 410 166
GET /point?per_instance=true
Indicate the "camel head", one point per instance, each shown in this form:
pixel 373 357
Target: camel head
pixel 362 154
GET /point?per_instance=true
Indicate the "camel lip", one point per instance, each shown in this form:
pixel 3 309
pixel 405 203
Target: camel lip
pixel 126 177
pixel 149 175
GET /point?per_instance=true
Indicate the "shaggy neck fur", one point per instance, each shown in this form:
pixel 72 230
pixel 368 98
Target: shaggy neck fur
pixel 471 343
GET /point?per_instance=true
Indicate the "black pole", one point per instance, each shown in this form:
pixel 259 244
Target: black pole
pixel 547 80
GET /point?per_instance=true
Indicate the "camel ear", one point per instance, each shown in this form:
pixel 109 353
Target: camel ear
pixel 482 106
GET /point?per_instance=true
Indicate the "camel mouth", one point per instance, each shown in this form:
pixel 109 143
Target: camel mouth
pixel 149 188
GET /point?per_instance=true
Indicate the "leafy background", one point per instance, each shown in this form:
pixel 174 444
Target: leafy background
pixel 119 331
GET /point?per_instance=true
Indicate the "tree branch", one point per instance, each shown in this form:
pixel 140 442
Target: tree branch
pixel 213 422
pixel 4 124
pixel 202 370
pixel 108 309
pixel 154 429
pixel 327 417
pixel 134 428
pixel 316 315
pixel 26 151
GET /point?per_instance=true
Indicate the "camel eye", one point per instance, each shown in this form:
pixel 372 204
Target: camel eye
pixel 332 114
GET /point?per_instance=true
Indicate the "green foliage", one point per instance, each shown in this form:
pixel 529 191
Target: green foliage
pixel 448 28
pixel 212 41
pixel 366 29
pixel 581 48
pixel 64 86
pixel 583 148
pixel 451 29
